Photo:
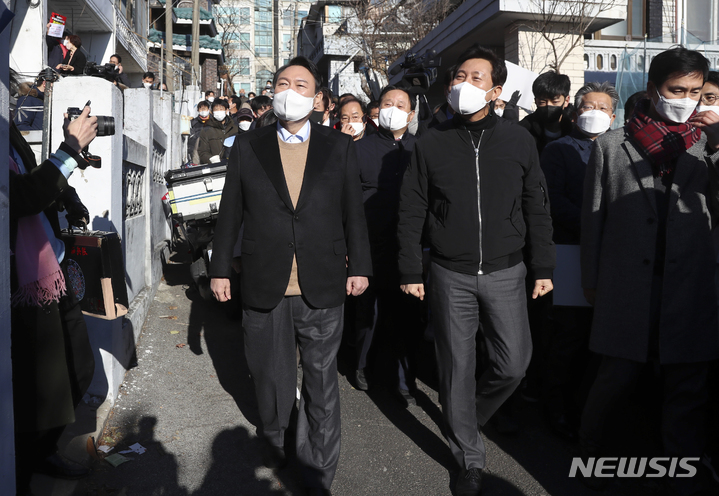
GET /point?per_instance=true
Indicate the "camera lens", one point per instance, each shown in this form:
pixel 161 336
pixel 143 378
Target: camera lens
pixel 105 125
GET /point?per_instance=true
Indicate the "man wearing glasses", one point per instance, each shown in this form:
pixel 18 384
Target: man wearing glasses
pixel 710 93
pixel 564 162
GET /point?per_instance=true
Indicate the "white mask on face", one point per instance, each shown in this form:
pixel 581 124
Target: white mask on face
pixel 204 113
pixel 290 106
pixel 676 110
pixel 466 99
pixel 594 122
pixel 499 112
pixel 376 122
pixel 66 43
pixel 712 108
pixel 210 99
pixel 358 127
pixel 219 115
pixel 147 85
pixel 245 125
pixel 393 118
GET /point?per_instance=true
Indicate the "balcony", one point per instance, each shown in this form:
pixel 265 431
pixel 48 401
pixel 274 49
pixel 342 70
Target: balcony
pixel 127 38
pixel 613 56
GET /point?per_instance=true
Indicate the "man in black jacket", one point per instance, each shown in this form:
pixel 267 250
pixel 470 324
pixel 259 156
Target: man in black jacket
pixel 475 182
pixel 550 121
pixel 383 157
pixel 210 145
pixel 296 188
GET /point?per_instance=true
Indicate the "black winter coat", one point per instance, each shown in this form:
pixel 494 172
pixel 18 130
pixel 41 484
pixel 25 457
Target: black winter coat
pixel 213 136
pixel 382 163
pixel 480 208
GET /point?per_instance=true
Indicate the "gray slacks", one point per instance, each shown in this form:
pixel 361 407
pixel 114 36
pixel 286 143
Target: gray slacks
pixel 459 303
pixel 271 338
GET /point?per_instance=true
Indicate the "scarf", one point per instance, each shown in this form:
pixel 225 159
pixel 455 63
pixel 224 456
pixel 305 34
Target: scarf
pixel 662 142
pixel 40 278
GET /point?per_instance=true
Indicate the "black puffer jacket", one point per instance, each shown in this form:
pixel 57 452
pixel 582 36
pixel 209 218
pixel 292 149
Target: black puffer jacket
pixel 213 136
pixel 480 208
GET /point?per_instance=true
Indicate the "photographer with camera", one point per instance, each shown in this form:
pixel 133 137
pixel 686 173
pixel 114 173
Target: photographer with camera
pixel 52 361
pixel 121 78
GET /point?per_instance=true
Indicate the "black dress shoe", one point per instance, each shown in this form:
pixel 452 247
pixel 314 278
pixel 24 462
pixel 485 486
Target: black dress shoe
pixel 405 398
pixel 60 467
pixel 360 380
pixel 318 491
pixel 274 457
pixel 562 428
pixel 469 482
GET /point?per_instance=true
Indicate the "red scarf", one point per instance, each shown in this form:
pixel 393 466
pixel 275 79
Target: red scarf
pixel 662 142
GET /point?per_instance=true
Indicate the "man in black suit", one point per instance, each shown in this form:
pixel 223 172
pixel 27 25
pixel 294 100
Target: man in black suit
pixel 296 189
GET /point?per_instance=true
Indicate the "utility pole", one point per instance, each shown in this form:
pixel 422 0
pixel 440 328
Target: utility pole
pixel 196 43
pixel 170 79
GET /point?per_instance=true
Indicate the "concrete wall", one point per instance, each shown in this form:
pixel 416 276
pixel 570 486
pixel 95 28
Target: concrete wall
pixel 7 438
pixel 530 50
pixel 124 196
pixel 27 39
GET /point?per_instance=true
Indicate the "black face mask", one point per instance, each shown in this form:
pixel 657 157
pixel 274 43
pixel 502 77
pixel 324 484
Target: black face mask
pixel 317 117
pixel 549 115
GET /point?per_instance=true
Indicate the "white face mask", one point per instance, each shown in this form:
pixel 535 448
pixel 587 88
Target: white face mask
pixel 290 106
pixel 466 99
pixel 376 122
pixel 676 110
pixel 66 43
pixel 245 125
pixel 219 115
pixel 204 113
pixel 594 122
pixel 712 108
pixel 393 118
pixel 210 99
pixel 358 127
pixel 499 112
pixel 147 85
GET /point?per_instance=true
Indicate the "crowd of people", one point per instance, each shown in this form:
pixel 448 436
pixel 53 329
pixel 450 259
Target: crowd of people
pixel 471 203
pixel 389 224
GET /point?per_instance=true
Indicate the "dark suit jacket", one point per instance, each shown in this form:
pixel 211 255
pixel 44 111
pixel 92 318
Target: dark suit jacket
pixel 327 225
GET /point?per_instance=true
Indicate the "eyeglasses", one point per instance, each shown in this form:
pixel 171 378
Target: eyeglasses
pixel 709 98
pixel 587 107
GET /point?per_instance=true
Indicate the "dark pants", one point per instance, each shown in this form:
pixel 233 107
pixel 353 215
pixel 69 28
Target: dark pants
pixel 567 356
pixel 271 341
pixel 460 302
pixel 53 365
pixel 683 411
pixel 395 315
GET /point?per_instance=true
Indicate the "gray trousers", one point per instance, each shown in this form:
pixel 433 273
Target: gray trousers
pixel 271 338
pixel 459 303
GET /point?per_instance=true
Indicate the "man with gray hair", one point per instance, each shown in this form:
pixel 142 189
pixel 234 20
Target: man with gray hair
pixel 564 162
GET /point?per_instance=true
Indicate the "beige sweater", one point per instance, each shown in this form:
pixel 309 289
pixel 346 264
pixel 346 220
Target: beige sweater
pixel 294 158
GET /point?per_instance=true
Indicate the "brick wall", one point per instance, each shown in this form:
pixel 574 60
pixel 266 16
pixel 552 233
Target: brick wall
pixel 209 75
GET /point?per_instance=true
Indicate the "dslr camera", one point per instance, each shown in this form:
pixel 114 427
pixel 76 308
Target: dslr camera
pixel 105 127
pixel 106 71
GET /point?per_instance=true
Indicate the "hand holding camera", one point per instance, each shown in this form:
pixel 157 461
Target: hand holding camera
pixel 80 129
